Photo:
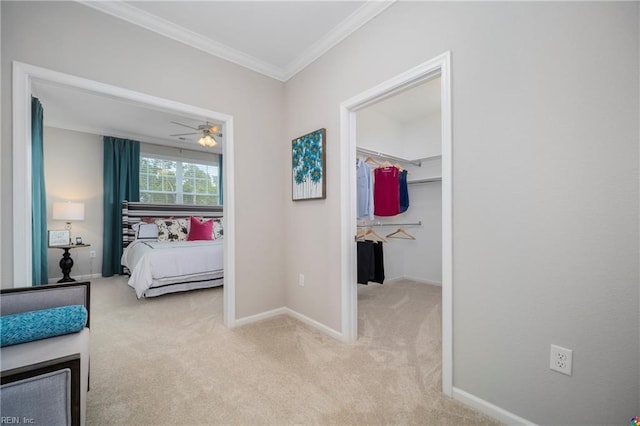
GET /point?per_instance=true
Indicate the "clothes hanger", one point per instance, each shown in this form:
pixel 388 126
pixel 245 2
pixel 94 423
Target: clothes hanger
pixel 360 235
pixel 375 235
pixel 373 160
pixel 401 231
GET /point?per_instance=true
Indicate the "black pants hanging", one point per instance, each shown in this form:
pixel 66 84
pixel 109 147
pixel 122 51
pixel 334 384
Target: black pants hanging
pixel 370 262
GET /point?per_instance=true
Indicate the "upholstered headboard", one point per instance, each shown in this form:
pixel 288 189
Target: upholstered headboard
pixel 133 212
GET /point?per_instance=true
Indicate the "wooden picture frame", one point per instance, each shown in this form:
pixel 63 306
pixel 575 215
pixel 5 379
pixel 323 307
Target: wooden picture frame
pixel 58 238
pixel 308 166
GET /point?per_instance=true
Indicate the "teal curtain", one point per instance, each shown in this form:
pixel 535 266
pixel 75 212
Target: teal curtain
pixel 220 181
pixel 121 182
pixel 38 199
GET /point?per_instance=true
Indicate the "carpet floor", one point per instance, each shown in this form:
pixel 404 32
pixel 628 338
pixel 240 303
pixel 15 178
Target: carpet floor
pixel 170 360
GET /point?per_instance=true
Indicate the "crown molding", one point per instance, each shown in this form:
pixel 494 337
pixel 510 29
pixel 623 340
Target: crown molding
pixel 141 18
pixel 144 19
pixel 344 29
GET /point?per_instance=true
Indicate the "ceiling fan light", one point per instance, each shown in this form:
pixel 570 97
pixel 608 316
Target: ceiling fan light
pixel 207 141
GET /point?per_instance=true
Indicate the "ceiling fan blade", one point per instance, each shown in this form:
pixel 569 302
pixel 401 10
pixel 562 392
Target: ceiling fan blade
pixel 184 134
pixel 184 125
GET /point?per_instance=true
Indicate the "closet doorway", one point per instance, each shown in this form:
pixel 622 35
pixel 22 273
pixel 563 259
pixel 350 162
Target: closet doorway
pixel 404 122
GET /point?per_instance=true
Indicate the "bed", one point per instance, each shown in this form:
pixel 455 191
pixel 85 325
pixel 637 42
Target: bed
pixel 157 255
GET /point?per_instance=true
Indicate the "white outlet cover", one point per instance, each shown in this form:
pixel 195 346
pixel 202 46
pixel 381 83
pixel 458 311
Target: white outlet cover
pixel 561 360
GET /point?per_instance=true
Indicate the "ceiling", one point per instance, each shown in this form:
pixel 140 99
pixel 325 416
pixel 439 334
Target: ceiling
pixel 82 111
pixel 275 38
pixel 411 104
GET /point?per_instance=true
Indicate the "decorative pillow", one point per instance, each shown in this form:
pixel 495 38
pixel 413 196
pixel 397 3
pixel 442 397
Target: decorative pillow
pixel 199 229
pixel 172 229
pixel 148 231
pixel 218 231
pixel 145 231
pixel 38 325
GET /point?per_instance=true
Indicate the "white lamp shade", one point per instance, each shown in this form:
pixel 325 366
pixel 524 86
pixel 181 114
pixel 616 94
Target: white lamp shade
pixel 68 211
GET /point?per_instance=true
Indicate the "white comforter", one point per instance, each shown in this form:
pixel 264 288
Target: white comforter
pixel 152 262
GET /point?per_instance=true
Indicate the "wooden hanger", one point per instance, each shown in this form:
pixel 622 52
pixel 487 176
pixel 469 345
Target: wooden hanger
pixel 401 231
pixel 375 235
pixel 360 235
pixel 373 160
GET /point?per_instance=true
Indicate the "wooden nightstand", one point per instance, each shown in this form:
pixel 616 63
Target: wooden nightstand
pixel 66 263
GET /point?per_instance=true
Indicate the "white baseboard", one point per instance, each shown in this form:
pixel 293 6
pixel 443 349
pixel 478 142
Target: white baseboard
pixel 418 280
pixel 287 311
pixel 315 324
pixel 77 278
pixel 259 317
pixel 423 281
pixel 489 409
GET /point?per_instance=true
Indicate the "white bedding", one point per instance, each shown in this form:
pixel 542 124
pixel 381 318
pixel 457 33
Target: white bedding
pixel 154 263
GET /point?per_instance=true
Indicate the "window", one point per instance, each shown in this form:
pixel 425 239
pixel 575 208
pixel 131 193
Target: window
pixel 173 181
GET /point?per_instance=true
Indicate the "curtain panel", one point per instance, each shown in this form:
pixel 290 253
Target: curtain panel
pixel 39 198
pixel 121 182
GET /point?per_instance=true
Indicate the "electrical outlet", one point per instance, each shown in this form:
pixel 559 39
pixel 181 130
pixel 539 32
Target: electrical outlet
pixel 301 280
pixel 561 359
pixel 92 254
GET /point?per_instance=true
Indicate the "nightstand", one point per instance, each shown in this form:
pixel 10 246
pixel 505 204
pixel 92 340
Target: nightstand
pixel 66 263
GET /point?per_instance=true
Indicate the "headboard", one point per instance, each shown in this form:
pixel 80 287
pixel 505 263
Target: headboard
pixel 133 212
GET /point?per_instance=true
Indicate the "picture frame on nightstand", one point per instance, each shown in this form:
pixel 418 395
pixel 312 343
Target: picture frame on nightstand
pixel 57 238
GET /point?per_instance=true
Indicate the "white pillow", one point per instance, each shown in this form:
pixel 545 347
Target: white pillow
pixel 146 231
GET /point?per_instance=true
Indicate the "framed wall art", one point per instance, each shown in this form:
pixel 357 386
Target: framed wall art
pixel 308 166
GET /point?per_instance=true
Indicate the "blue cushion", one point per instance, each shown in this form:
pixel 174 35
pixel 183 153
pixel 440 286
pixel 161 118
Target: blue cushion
pixel 37 325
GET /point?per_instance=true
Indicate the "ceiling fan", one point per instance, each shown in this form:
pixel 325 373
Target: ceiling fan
pixel 208 131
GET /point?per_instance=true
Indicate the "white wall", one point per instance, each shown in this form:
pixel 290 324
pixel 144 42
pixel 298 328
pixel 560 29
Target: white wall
pixel 545 181
pixel 73 172
pixel 78 40
pixel 422 138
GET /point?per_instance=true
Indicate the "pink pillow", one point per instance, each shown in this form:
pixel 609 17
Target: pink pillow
pixel 199 230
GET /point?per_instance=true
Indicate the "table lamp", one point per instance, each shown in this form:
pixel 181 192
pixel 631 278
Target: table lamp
pixel 68 212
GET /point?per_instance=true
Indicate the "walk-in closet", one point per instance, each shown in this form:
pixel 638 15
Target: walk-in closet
pixel 399 225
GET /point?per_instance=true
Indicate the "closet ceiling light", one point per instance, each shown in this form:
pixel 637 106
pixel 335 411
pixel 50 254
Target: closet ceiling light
pixel 208 141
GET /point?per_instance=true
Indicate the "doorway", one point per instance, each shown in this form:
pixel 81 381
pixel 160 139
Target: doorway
pixel 23 77
pixel 437 67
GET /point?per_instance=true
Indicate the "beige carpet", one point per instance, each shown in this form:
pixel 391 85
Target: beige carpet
pixel 170 360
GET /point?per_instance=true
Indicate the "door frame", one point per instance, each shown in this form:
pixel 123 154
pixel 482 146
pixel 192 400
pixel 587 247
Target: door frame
pixel 438 66
pixel 23 76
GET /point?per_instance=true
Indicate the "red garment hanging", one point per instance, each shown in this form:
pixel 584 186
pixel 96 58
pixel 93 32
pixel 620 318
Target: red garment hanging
pixel 386 191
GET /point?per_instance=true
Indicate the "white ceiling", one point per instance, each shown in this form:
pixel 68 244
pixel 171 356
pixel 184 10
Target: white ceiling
pixel 275 38
pixel 411 104
pixel 74 109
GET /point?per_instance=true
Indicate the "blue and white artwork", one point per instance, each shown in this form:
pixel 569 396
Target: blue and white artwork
pixel 308 169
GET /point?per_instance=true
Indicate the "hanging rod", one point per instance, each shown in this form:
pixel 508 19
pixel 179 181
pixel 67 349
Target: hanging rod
pixel 389 157
pixel 419 223
pixel 427 180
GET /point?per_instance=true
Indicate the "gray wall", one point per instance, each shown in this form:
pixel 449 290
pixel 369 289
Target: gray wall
pixel 75 39
pixel 545 107
pixel 545 202
pixel 73 172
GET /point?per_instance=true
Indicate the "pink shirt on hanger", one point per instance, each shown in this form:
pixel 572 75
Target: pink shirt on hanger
pixel 386 191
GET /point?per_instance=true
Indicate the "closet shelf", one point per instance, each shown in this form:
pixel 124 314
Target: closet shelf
pixel 369 225
pixel 427 180
pixel 389 157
